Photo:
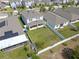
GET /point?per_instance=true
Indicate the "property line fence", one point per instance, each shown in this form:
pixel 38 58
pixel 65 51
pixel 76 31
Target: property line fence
pixel 55 31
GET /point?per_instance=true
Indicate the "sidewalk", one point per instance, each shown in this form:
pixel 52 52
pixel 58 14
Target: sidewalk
pixel 50 47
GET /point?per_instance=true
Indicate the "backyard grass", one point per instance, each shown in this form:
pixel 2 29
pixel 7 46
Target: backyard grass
pixel 43 37
pixel 77 24
pixel 68 32
pixel 18 53
pixel 55 53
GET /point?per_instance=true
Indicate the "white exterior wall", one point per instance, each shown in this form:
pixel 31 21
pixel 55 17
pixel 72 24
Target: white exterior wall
pixel 41 18
pixel 34 19
pixel 36 27
pixel 57 26
pixel 65 24
pixel 12 41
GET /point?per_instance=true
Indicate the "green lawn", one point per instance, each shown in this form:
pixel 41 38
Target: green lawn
pixel 18 53
pixel 77 24
pixel 43 37
pixel 68 32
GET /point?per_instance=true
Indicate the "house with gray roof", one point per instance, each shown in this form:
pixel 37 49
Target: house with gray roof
pixel 3 15
pixel 18 3
pixel 54 20
pixel 5 1
pixel 42 1
pixel 11 32
pixel 33 19
pixel 3 5
pixel 51 1
pixel 74 12
pixel 71 14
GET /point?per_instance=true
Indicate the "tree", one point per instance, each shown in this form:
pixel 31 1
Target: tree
pixel 34 5
pixel 34 56
pixel 50 7
pixel 71 2
pixel 42 9
pixel 67 53
pixel 76 52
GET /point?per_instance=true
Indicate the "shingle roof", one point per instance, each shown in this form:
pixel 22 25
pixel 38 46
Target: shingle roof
pixel 2 5
pixel 63 13
pixel 73 10
pixel 31 14
pixel 69 13
pixel 53 18
pixel 10 27
pixel 42 1
pixel 20 0
pixel 3 0
pixel 14 0
pixel 49 1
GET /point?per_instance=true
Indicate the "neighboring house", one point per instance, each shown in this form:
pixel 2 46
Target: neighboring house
pixel 15 3
pixel 59 1
pixel 51 1
pixel 33 19
pixel 4 1
pixel 28 3
pixel 42 1
pixel 3 15
pixel 54 20
pixel 74 12
pixel 71 14
pixel 11 32
pixel 3 5
pixel 18 3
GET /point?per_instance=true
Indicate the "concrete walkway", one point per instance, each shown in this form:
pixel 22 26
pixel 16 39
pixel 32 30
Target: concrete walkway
pixel 50 47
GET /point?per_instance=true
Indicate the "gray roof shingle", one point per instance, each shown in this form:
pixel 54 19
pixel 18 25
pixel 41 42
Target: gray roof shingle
pixel 2 5
pixel 31 14
pixel 63 13
pixel 11 27
pixel 53 18
pixel 69 13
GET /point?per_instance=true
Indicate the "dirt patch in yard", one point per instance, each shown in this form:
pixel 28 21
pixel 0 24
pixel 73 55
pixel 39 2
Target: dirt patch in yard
pixel 55 53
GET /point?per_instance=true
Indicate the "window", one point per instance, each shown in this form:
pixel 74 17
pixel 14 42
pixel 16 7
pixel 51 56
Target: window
pixel 33 26
pixel 40 24
pixel 61 25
